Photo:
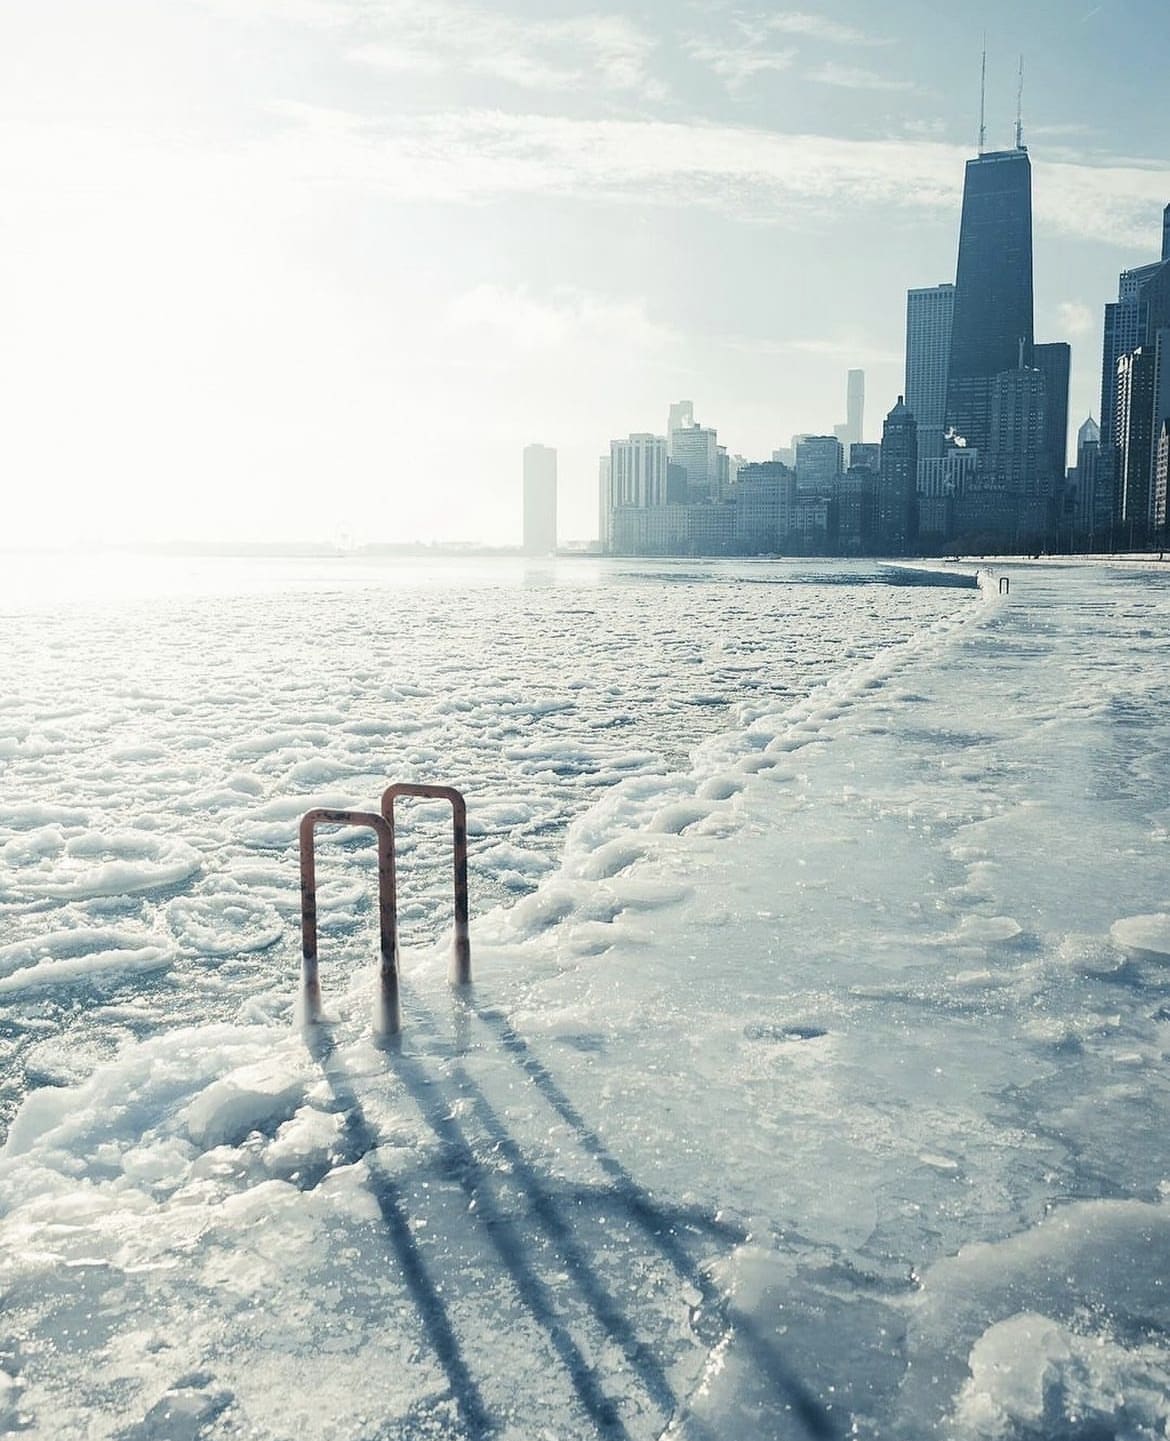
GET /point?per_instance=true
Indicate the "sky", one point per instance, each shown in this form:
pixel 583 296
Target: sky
pixel 285 269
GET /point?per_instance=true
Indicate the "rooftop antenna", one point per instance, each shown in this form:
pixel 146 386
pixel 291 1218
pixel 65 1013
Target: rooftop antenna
pixel 1020 108
pixel 983 101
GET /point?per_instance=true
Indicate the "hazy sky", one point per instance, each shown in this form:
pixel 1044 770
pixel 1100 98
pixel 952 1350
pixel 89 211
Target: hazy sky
pixel 320 267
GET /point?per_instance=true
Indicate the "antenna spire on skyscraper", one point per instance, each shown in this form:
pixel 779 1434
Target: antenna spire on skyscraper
pixel 1020 108
pixel 983 101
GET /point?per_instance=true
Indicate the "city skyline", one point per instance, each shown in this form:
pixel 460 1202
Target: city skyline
pixel 265 254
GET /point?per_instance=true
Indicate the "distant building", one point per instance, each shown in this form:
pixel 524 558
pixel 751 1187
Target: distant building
pixel 682 413
pixel 633 480
pixel 943 482
pixel 867 455
pixel 856 511
pixel 637 471
pixel 1090 493
pixel 604 507
pixel 765 496
pixel 676 483
pixel 1135 390
pixel 540 500
pixel 992 325
pixel 852 432
pixel 1054 361
pixel 1135 439
pixel 1160 502
pixel 712 529
pixel 1125 330
pixel 1018 456
pixel 786 455
pixel 929 315
pixel 897 500
pixel 696 449
pixel 818 464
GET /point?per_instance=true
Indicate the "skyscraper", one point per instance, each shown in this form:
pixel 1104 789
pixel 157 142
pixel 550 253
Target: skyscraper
pixel 696 449
pixel 1135 387
pixel 852 432
pixel 1019 485
pixel 818 464
pixel 1143 407
pixel 1092 496
pixel 1054 361
pixel 636 476
pixel 1160 494
pixel 1125 330
pixel 992 328
pixel 540 499
pixel 929 314
pixel 637 471
pixel 897 504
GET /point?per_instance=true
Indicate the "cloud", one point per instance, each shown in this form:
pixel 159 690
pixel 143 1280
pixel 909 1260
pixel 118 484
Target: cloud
pixel 1076 318
pixel 852 77
pixel 819 27
pixel 567 317
pixel 317 14
pixel 737 64
pixel 579 52
pixel 752 51
pixel 851 348
pixel 471 157
pixel 476 156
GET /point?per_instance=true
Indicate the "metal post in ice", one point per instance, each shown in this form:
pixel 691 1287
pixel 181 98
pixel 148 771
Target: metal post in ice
pixel 388 1009
pixel 460 972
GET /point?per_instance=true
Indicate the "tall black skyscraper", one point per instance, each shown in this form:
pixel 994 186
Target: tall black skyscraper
pixel 897 498
pixel 1054 360
pixel 992 327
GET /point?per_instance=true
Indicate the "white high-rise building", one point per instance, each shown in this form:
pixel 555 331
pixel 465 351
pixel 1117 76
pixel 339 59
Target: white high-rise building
pixel 540 500
pixel 929 314
pixel 604 507
pixel 637 471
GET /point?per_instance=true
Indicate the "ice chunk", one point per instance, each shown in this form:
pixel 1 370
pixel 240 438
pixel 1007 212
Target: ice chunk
pixel 1031 1376
pixel 259 1096
pixel 1144 935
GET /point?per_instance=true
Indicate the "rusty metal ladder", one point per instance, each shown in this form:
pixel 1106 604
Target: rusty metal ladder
pixel 388 1006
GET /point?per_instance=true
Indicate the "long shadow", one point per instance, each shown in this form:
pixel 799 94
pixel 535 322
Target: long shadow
pixel 360 1140
pixel 659 1227
pixel 462 1165
pixel 459 1162
pixel 546 1208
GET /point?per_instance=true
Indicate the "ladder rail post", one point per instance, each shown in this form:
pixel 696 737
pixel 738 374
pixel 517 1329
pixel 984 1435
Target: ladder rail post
pixel 460 969
pixel 461 945
pixel 388 1009
pixel 388 1015
pixel 310 974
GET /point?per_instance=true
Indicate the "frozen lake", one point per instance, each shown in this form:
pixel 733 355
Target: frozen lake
pixel 165 724
pixel 813 1080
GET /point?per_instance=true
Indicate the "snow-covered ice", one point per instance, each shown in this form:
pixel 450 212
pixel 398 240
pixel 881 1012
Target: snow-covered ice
pixel 811 1084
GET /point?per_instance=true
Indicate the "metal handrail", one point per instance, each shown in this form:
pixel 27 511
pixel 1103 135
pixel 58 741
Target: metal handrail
pixel 460 972
pixel 388 1012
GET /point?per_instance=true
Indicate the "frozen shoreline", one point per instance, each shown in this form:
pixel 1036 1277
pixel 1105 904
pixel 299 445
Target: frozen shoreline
pixel 821 1086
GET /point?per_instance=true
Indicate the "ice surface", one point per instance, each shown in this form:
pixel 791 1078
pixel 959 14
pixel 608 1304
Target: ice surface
pixel 815 1086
